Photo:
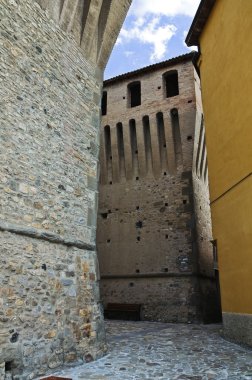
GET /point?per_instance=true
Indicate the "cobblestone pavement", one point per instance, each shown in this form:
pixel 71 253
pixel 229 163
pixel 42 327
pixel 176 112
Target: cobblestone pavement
pixel 148 350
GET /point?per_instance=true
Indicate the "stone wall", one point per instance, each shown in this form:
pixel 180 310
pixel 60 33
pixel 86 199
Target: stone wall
pixel 146 224
pixel 207 268
pixel 50 117
pixel 50 313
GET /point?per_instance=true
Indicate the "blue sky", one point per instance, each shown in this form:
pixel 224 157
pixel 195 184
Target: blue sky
pixel 153 31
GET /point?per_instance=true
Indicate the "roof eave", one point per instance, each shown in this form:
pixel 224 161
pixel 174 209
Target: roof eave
pixel 199 21
pixel 135 73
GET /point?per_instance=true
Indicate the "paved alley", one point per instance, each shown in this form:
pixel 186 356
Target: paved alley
pixel 149 350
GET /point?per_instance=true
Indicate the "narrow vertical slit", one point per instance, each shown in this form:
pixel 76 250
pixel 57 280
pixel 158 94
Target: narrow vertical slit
pixel 202 158
pixel 162 141
pixel 104 103
pixel 199 145
pixel 120 145
pixel 205 170
pixel 108 152
pixel 176 136
pixel 147 143
pixel 134 148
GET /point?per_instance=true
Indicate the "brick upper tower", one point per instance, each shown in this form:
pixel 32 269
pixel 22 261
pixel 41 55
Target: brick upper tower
pixel 147 238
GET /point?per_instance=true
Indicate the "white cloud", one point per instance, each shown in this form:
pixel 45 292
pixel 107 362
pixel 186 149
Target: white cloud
pixel 128 53
pixel 149 32
pixel 169 8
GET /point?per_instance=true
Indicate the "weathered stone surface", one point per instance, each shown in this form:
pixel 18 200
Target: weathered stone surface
pixel 154 221
pixel 208 284
pixel 47 161
pixel 50 312
pixel 238 327
pixel 148 351
pixel 146 226
pixel 46 312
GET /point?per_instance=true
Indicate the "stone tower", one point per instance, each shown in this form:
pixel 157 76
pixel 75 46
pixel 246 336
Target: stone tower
pixel 53 54
pixel 148 240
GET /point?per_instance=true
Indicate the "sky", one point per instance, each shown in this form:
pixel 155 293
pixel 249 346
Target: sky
pixel 153 31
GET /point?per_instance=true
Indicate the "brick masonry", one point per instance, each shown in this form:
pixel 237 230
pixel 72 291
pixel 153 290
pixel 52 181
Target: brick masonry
pixel 146 223
pixel 154 225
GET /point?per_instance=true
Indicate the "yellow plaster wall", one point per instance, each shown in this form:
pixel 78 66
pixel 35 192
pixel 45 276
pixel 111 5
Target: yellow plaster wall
pixel 226 78
pixel 232 220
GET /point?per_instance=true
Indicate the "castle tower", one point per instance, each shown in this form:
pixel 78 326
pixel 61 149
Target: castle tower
pixel 147 232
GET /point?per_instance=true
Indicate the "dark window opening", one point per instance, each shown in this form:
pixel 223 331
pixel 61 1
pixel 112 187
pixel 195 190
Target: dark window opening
pixel 134 93
pixel 137 207
pixel 184 201
pixel 189 138
pixel 104 103
pixel 137 178
pixel 166 269
pixel 165 173
pixel 166 236
pixel 110 182
pixel 171 83
pixel 8 366
pixel 138 238
pixel 166 204
pixel 108 241
pixel 131 284
pixel 137 271
pixel 104 215
pixel 139 224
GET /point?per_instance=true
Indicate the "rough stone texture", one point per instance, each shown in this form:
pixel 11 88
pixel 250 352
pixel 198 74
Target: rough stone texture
pixel 148 351
pixel 207 268
pixel 50 312
pixel 167 299
pixel 238 327
pixel 147 243
pixel 47 95
pixel 94 24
